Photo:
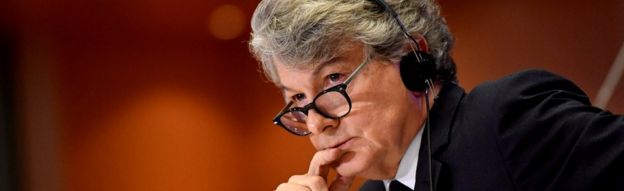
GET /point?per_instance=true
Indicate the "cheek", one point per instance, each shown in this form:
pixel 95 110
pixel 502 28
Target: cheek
pixel 376 137
pixel 382 120
pixel 382 135
pixel 384 96
pixel 380 106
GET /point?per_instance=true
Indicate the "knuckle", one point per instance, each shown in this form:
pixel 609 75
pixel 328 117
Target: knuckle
pixel 294 178
pixel 317 183
pixel 317 180
pixel 281 186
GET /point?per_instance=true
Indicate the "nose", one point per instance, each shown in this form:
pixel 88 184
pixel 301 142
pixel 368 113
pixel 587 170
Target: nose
pixel 318 123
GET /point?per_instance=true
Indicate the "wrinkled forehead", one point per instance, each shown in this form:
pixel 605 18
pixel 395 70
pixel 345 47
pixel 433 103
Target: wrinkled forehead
pixel 339 49
pixel 289 71
pixel 347 53
pixel 343 49
pixel 299 64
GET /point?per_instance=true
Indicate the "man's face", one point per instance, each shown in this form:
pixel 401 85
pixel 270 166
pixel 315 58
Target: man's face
pixel 384 118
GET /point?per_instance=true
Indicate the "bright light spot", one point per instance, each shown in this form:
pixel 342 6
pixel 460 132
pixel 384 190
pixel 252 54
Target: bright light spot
pixel 226 22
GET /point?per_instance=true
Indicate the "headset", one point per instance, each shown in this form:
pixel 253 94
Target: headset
pixel 417 70
pixel 417 67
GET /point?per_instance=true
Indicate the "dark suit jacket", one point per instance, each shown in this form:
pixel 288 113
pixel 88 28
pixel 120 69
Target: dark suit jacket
pixel 532 130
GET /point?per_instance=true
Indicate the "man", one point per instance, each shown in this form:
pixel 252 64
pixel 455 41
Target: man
pixel 371 83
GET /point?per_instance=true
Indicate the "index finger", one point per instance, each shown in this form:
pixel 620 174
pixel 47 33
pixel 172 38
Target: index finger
pixel 320 164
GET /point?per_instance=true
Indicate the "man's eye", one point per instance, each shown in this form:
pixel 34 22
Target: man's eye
pixel 335 77
pixel 298 97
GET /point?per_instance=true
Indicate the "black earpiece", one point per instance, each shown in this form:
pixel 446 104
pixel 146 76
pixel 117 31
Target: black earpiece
pixel 416 68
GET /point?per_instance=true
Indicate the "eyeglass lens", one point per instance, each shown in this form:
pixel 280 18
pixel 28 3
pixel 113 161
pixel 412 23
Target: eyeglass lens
pixel 330 104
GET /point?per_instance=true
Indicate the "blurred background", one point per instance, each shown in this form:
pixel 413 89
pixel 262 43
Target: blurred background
pixel 163 94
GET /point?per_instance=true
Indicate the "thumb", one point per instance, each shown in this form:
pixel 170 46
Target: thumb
pixel 341 183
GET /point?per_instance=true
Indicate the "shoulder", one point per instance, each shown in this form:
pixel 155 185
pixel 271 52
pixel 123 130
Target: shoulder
pixel 528 87
pixel 529 82
pixel 542 125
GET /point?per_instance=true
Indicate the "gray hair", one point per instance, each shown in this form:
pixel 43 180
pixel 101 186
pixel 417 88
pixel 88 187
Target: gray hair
pixel 301 33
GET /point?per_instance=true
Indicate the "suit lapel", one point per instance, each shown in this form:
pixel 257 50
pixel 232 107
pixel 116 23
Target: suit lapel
pixel 441 118
pixel 373 185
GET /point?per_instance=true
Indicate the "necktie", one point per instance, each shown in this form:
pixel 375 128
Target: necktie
pixel 397 186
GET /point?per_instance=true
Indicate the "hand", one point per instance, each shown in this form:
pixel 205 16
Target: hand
pixel 316 178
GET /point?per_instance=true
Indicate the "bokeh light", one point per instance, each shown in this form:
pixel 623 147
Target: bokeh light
pixel 226 22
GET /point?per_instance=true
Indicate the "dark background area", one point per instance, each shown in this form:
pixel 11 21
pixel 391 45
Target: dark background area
pixel 8 147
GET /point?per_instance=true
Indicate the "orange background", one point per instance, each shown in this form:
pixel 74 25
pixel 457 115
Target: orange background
pixel 163 95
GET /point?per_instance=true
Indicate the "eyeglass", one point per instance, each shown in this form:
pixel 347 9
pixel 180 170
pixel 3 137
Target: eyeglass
pixel 333 103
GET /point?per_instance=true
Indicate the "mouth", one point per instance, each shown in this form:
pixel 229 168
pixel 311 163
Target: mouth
pixel 340 144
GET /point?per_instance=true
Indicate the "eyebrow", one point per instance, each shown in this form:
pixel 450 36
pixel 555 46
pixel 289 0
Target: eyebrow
pixel 330 62
pixel 315 72
pixel 283 88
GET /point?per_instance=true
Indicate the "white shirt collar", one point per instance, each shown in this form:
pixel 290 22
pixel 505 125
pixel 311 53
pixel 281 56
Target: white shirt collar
pixel 406 174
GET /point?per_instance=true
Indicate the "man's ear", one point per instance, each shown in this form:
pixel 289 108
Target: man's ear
pixel 421 42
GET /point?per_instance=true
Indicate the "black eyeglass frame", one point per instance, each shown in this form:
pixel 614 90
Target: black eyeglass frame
pixel 340 88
